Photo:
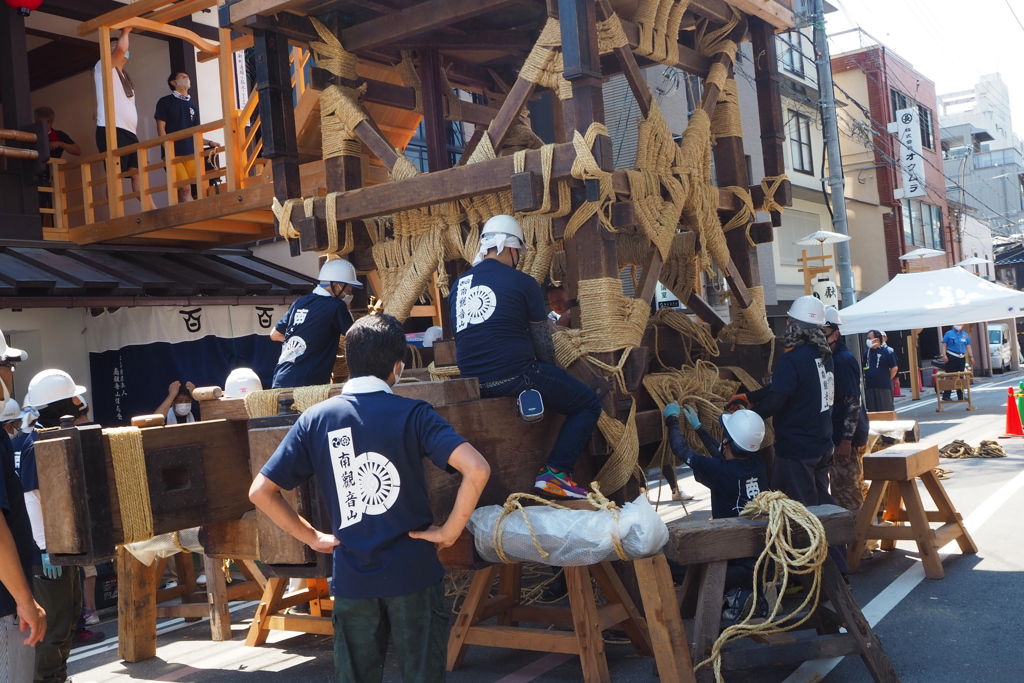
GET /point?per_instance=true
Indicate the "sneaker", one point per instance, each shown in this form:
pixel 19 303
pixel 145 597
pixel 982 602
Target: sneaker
pixel 737 604
pixel 681 495
pixel 557 484
pixel 91 618
pixel 87 637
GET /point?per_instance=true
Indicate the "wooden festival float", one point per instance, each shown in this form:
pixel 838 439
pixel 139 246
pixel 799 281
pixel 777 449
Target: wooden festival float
pixel 669 218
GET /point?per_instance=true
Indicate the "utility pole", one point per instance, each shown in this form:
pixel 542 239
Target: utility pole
pixel 836 179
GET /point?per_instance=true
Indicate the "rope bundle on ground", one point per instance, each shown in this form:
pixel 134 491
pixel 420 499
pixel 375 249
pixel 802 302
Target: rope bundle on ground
pixel 961 450
pixel 780 561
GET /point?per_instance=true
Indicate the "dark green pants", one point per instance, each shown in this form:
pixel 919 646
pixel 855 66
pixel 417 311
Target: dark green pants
pixel 418 623
pixel 62 600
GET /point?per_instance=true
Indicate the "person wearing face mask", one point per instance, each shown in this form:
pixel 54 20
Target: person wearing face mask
pixel 312 327
pixel 503 338
pixel 849 420
pixel 879 369
pixel 177 112
pixel 178 405
pixel 955 349
pixel 366 448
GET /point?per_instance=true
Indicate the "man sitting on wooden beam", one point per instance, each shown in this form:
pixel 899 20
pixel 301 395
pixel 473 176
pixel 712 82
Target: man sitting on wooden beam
pixel 365 448
pixel 503 338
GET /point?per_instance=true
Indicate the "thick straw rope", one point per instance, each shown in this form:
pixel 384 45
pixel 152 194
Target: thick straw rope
pixel 696 336
pixel 439 372
pixel 770 185
pixel 780 560
pixel 749 325
pixel 129 461
pixel 544 65
pixel 265 403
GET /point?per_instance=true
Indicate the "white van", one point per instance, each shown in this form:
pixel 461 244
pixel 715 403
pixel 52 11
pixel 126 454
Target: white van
pixel 999 346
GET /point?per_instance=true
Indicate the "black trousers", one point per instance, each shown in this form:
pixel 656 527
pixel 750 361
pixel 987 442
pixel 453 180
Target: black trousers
pixel 954 364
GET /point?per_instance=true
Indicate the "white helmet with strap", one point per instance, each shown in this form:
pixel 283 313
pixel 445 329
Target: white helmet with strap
pixel 339 270
pixel 808 309
pixel 50 386
pixel 11 411
pixel 832 316
pixel 9 352
pixel 499 232
pixel 745 429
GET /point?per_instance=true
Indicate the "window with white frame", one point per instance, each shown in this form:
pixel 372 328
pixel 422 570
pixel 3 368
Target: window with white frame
pixel 795 225
pixel 922 224
pixel 800 142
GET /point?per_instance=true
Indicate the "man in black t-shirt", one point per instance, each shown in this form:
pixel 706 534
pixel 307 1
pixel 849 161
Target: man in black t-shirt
pixel 503 338
pixel 60 142
pixel 177 112
pixel 849 420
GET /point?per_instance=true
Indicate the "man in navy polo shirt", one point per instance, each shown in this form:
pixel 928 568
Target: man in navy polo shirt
pixel 503 338
pixel 366 449
pixel 176 112
pixel 313 326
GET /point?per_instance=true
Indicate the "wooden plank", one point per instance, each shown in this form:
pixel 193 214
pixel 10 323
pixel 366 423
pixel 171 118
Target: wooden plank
pixel 234 539
pixel 630 69
pixel 169 30
pixel 947 512
pixel 900 462
pixel 173 216
pixel 629 618
pixel 521 638
pixel 269 603
pixel 507 116
pixel 60 485
pixel 476 597
pixel 771 11
pixel 136 608
pixel 709 614
pixel 302 623
pixel 218 609
pixel 810 646
pixel 180 10
pixel 665 625
pixel 769 110
pixel 586 625
pixel 698 539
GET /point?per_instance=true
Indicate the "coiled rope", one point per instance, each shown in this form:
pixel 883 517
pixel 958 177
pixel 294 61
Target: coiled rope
pixel 961 449
pixel 780 560
pixel 129 461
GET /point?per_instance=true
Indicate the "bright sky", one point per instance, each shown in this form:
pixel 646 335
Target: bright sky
pixel 951 42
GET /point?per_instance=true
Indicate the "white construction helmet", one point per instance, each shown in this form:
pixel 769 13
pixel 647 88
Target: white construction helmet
pixel 745 429
pixel 505 225
pixel 808 309
pixel 11 411
pixel 832 316
pixel 50 386
pixel 243 381
pixel 9 352
pixel 339 270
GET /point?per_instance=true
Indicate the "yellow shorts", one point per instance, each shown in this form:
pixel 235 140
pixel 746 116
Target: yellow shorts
pixel 184 170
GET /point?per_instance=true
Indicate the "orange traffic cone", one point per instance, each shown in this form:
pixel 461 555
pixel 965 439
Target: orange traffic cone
pixel 1013 425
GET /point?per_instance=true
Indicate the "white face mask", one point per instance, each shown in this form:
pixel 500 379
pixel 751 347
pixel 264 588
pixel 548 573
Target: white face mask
pixel 398 375
pixel 182 409
pixel 958 327
pixel 11 436
pixel 348 299
pixel 184 83
pixel 870 343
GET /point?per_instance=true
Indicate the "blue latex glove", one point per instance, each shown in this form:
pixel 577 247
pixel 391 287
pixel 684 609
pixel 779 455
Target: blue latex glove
pixel 691 416
pixel 671 410
pixel 51 571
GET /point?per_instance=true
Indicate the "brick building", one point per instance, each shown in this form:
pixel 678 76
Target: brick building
pixel 880 81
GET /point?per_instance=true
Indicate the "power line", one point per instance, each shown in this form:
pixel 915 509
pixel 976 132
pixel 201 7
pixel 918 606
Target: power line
pixel 1010 7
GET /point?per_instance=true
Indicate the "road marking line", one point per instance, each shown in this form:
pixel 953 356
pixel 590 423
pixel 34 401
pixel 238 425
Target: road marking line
pixel 895 592
pixel 983 387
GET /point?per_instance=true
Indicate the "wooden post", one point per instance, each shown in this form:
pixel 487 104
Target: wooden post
pixel 273 83
pixel 912 359
pixel 217 589
pixel 136 608
pixel 110 126
pixel 226 73
pixel 769 101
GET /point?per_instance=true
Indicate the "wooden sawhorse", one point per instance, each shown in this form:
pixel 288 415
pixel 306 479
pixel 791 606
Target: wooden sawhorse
pixel 271 613
pixel 138 596
pixel 953 381
pixel 706 545
pixel 893 474
pixel 661 634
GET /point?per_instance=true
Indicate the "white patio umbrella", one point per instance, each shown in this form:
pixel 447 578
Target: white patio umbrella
pixel 974 261
pixel 922 252
pixel 822 237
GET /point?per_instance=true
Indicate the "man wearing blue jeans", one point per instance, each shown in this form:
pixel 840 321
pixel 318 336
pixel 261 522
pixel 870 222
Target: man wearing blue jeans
pixel 503 338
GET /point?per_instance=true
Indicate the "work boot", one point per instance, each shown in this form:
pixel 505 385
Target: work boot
pixel 558 484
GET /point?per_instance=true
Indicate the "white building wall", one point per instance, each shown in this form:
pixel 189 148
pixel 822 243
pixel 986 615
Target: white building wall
pixel 53 338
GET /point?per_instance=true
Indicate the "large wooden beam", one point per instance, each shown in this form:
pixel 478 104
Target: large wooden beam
pixel 460 182
pixel 177 215
pixel 769 106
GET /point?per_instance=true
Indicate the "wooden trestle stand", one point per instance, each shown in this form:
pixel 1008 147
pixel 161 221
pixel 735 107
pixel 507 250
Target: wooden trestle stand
pixel 893 474
pixel 953 381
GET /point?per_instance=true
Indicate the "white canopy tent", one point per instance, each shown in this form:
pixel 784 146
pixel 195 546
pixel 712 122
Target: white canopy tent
pixel 930 299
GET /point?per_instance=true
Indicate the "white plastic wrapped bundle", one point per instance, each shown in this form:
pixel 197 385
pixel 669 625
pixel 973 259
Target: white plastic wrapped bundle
pixel 166 545
pixel 568 538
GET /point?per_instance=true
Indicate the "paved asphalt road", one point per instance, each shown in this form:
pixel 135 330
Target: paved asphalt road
pixel 963 628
